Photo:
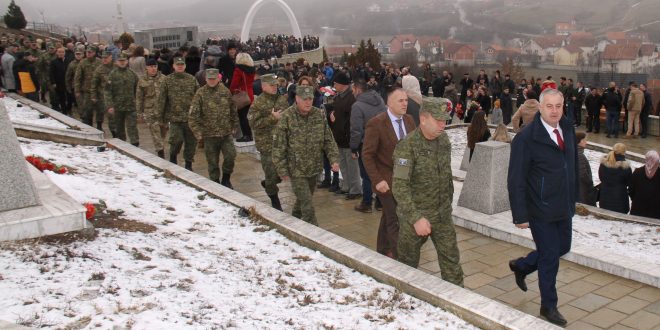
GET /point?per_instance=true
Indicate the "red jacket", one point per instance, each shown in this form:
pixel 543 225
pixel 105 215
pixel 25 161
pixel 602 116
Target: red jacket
pixel 242 80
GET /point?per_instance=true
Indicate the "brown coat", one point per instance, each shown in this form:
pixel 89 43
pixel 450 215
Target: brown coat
pixel 635 100
pixel 379 142
pixel 526 112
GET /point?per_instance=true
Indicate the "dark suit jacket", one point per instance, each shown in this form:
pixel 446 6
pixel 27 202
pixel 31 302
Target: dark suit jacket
pixel 378 148
pixel 542 179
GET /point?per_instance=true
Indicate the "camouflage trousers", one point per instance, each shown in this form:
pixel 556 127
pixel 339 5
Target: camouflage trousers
pixel 272 179
pixel 443 237
pixel 157 134
pixel 181 135
pixel 126 121
pixel 213 146
pixel 303 188
pixel 89 108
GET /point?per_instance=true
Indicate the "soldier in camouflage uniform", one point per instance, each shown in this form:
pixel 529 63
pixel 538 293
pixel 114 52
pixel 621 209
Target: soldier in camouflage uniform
pixel 43 72
pixel 147 101
pixel 300 138
pixel 213 119
pixel 70 74
pixel 264 114
pixel 119 97
pixel 99 81
pixel 423 188
pixel 82 85
pixel 176 94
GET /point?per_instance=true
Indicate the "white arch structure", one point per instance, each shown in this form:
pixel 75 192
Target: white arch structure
pixel 247 24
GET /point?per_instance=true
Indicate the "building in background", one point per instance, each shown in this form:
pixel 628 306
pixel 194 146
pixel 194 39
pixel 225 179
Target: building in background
pixel 172 38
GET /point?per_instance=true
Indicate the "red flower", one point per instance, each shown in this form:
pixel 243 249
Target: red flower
pixel 90 210
pixel 61 170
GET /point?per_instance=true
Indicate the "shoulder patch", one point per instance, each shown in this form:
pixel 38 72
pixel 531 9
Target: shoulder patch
pixel 402 162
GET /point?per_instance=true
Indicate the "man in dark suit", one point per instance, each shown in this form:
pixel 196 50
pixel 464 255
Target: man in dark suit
pixel 542 192
pixel 382 134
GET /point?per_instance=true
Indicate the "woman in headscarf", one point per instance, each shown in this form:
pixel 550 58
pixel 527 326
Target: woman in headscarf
pixel 645 188
pixel 615 175
pixel 410 84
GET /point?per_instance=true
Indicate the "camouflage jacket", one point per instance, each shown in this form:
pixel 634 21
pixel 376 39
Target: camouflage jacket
pixel 212 112
pixel 148 90
pixel 422 180
pixel 176 94
pixel 70 74
pixel 43 65
pixel 119 90
pixel 299 143
pixel 99 81
pixel 82 80
pixel 262 121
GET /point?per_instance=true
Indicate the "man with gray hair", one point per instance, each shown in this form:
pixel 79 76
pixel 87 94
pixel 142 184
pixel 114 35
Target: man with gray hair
pixel 543 188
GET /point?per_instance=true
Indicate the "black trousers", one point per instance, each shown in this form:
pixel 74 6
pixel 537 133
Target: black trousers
pixel 243 121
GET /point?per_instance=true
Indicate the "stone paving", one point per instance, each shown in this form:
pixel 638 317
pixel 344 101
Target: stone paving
pixel 588 298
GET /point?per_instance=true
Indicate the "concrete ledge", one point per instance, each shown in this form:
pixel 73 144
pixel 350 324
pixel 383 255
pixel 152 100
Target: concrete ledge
pixel 57 213
pixel 78 133
pixel 474 308
pixel 500 226
pixel 4 325
pixel 616 216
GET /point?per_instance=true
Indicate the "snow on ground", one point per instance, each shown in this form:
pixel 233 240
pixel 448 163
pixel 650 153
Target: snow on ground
pixel 204 266
pixel 27 115
pixel 458 138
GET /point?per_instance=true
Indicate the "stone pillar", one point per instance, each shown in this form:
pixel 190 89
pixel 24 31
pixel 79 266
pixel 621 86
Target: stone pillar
pixel 466 159
pixel 485 186
pixel 16 185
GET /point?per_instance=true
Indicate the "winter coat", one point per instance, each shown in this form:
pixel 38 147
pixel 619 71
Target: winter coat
pixel 341 128
pixel 58 74
pixel 525 113
pixel 542 179
pixel 648 103
pixel 507 108
pixel 645 194
pixel 451 94
pixel 242 80
pixel 612 100
pixel 635 100
pixel 614 183
pixel 192 64
pixel 593 103
pixel 496 117
pixel 484 102
pixel 8 81
pixel 367 105
pixel 587 191
pixel 413 110
pixel 226 65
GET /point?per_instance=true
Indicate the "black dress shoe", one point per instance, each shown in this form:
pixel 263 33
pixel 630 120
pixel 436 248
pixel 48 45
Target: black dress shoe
pixel 323 185
pixel 353 196
pixel 553 316
pixel 520 276
pixel 333 188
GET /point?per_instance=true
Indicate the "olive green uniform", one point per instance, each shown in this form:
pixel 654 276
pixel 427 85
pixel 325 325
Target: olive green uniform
pixel 120 94
pixel 176 94
pixel 147 94
pixel 298 145
pixel 82 84
pixel 99 83
pixel 423 188
pixel 213 117
pixel 263 124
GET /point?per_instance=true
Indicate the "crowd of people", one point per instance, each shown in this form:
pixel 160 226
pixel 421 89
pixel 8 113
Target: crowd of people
pixel 381 126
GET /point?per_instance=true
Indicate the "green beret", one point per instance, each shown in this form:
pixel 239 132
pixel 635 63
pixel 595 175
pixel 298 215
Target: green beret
pixel 305 92
pixel 437 107
pixel 270 79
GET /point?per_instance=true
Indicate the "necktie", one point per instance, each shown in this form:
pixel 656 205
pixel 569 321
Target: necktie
pixel 401 133
pixel 560 142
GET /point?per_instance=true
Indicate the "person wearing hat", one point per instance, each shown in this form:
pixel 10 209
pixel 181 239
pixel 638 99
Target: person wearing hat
pixel 119 98
pixel 99 81
pixel 176 94
pixel 82 86
pixel 423 189
pixel 264 114
pixel 301 137
pixel 213 118
pixel 146 98
pixel 70 74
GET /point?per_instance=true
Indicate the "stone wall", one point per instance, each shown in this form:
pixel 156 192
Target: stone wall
pixel 312 56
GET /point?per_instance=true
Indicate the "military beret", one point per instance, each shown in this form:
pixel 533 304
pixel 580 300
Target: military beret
pixel 179 60
pixel 305 92
pixel 122 57
pixel 270 79
pixel 437 107
pixel 212 73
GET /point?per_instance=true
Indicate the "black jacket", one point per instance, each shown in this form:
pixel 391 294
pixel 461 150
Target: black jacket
pixel 341 128
pixel 226 66
pixel 612 100
pixel 648 103
pixel 23 65
pixel 58 74
pixel 645 194
pixel 542 179
pixel 593 104
pixel 614 183
pixel 588 193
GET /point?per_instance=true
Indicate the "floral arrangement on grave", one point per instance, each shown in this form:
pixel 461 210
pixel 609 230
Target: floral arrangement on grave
pixel 43 164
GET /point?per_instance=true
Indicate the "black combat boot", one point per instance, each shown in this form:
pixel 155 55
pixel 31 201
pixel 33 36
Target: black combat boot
pixel 161 154
pixel 275 202
pixel 188 166
pixel 225 181
pixel 173 158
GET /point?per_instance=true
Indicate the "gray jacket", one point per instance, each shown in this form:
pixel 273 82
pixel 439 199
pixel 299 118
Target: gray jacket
pixel 496 117
pixel 367 105
pixel 7 71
